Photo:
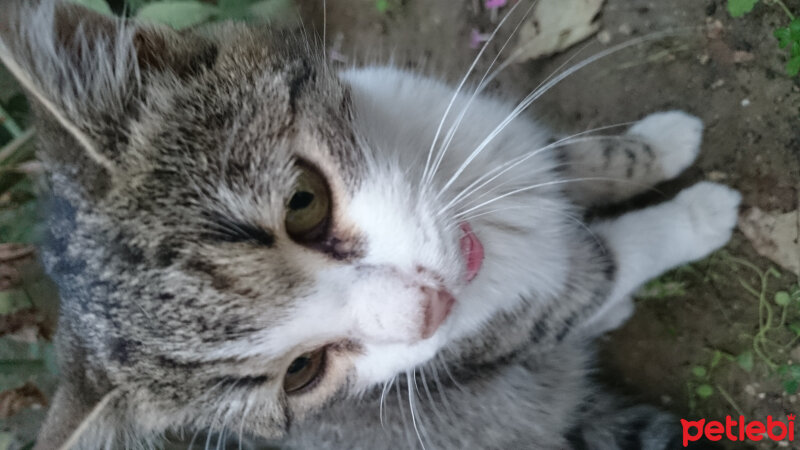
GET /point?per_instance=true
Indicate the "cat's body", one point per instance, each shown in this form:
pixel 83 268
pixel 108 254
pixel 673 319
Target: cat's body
pixel 188 295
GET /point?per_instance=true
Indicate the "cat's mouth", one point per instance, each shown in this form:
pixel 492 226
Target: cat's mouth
pixel 472 251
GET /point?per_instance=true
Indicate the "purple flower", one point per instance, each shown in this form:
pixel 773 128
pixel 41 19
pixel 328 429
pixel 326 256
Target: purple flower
pixel 495 4
pixel 476 38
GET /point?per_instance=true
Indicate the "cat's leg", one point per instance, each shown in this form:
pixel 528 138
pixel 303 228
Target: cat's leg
pixel 654 149
pixel 648 242
pixel 608 422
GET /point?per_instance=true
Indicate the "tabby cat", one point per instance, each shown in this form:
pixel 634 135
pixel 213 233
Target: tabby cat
pixel 250 242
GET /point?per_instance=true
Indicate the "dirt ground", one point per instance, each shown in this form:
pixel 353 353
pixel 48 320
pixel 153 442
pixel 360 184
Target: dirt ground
pixel 727 71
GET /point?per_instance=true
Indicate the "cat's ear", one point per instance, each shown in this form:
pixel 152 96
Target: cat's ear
pixel 88 72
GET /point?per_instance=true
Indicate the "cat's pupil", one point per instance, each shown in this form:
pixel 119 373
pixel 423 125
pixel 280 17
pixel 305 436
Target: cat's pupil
pixel 300 200
pixel 297 365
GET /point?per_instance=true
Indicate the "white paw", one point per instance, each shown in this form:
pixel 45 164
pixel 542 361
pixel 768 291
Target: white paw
pixel 675 137
pixel 712 213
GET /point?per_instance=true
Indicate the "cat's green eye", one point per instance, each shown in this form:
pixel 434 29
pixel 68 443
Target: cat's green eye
pixel 304 371
pixel 308 207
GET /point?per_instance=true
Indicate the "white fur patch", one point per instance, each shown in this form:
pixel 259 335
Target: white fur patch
pixel 674 135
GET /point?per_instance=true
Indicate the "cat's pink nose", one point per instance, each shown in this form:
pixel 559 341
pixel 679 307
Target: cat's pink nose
pixel 437 304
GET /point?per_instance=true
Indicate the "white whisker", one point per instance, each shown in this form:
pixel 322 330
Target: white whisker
pixel 440 388
pixel 450 375
pixel 538 92
pixel 509 165
pixel 403 414
pixel 484 81
pixel 412 405
pixel 386 387
pixel 244 417
pixel 458 91
pixel 540 185
pixel 434 408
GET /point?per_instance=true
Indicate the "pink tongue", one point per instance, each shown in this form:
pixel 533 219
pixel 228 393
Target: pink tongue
pixel 472 250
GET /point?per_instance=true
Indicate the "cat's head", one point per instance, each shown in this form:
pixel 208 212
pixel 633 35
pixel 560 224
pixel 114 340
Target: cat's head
pixel 232 247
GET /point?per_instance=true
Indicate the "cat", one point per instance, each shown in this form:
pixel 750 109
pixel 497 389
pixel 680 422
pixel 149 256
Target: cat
pixel 249 241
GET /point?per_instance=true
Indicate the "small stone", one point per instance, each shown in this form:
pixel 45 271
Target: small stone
pixel 746 102
pixel 718 84
pixel 741 56
pixel 792 398
pixel 750 390
pixel 716 175
pixel 714 28
pixel 703 59
pixel 783 443
pixel 604 37
pixel 761 396
pixel 625 29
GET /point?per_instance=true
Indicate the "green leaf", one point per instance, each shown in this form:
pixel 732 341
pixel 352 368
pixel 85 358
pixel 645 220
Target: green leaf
pixel 382 5
pixel 704 390
pixel 790 386
pixel 6 302
pixel 274 10
pixel 13 300
pixel 25 367
pixel 793 66
pixel 21 224
pixel 699 371
pixel 782 298
pixel 745 361
pixel 738 8
pixel 6 440
pixel 234 9
pixel 98 5
pixel 716 358
pixel 783 35
pixel 179 14
pixel 795 49
pixel 795 326
pixel 233 4
pixel 794 29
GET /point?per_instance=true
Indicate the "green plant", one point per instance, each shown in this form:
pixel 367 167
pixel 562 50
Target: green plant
pixel 778 328
pixel 187 13
pixel 767 350
pixel 788 36
pixel 18 206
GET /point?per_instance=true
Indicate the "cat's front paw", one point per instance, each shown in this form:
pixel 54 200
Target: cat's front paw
pixel 675 138
pixel 712 211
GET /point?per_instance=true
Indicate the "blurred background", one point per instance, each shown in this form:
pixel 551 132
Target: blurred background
pixel 715 338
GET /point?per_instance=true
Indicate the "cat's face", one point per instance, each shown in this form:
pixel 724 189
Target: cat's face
pixel 291 260
pixel 254 249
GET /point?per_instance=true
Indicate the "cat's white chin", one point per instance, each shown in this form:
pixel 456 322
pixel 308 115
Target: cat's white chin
pixel 380 363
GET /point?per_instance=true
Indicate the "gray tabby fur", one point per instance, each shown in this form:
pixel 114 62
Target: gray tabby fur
pixel 159 142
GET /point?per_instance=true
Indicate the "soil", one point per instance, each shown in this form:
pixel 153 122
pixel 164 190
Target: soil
pixel 727 71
